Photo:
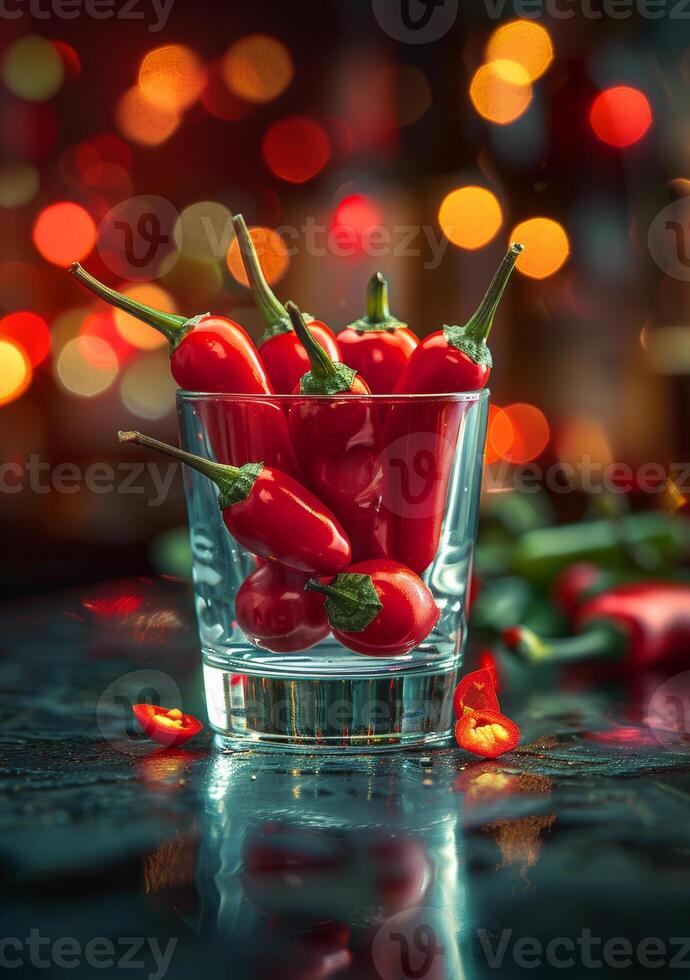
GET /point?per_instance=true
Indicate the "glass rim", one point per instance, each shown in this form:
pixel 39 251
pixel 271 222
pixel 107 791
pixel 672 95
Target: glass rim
pixel 452 396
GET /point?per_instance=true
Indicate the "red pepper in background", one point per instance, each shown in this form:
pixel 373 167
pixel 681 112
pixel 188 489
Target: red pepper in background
pixel 647 622
pixel 487 661
pixel 379 608
pixel 578 582
pixel 268 512
pixel 487 733
pixel 475 691
pixel 281 350
pixel 276 612
pixel 338 444
pixel 457 358
pixel 421 437
pixel 378 344
pixel 168 726
pixel 207 352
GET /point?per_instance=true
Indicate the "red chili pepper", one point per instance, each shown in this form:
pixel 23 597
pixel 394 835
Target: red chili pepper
pixel 338 443
pixel 647 622
pixel 576 583
pixel 207 352
pixel 422 437
pixel 486 733
pixel 168 726
pixel 378 344
pixel 379 608
pixel 279 346
pixel 268 512
pixel 475 692
pixel 276 612
pixel 487 661
pixel 457 358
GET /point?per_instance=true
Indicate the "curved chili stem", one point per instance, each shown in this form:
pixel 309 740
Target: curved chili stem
pixel 322 365
pixel 172 326
pixel 597 641
pixel 268 304
pixel 479 325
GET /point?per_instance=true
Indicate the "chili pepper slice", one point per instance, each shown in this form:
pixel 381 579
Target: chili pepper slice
pixel 486 733
pixel 647 622
pixel 487 661
pixel 377 345
pixel 279 346
pixel 378 607
pixel 474 692
pixel 269 512
pixel 168 726
pixel 276 613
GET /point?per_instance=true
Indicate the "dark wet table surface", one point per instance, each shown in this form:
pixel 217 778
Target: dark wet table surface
pixel 569 855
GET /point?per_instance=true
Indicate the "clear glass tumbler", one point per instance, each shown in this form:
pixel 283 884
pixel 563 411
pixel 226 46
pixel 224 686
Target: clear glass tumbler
pixel 412 472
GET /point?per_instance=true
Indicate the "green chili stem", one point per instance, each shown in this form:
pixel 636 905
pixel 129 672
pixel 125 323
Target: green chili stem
pixel 218 472
pixel 322 365
pixel 268 304
pixel 597 641
pixel 377 307
pixel 478 326
pixel 172 326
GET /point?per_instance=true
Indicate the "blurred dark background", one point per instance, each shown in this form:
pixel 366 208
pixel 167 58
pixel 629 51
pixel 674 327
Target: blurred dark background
pixel 129 139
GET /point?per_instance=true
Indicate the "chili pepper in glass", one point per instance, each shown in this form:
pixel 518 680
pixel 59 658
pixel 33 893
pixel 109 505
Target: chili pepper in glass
pixel 214 353
pixel 487 733
pixel 377 345
pixel 281 351
pixel 276 613
pixel 421 437
pixel 268 512
pixel 338 443
pixel 378 607
pixel 168 726
pixel 644 622
pixel 475 690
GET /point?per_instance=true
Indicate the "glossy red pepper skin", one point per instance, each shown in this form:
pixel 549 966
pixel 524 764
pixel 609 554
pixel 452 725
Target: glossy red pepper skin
pixel 377 345
pixel 269 513
pixel 475 691
pixel 486 733
pixel 382 610
pixel 276 613
pixel 282 353
pixel 167 726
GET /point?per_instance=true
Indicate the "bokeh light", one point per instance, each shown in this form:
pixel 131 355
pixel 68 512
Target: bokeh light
pixel 620 116
pixel 356 216
pixel 32 69
pixel 546 247
pixel 272 253
pixel 470 217
pixel 147 388
pixel 19 183
pixel 523 42
pixel 499 435
pixel 71 61
pixel 28 331
pixel 218 100
pixel 64 233
pixel 86 366
pixel 258 68
pixel 171 77
pixel 15 371
pixel 582 436
pixel 101 324
pixel 296 149
pixel 501 91
pixel 144 121
pixel 135 332
pixel 531 433
pixel 203 231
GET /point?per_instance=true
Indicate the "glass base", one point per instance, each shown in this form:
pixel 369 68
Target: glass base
pixel 379 711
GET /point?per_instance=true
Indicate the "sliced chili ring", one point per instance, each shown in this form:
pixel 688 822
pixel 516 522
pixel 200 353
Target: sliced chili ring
pixel 475 691
pixel 486 733
pixel 168 726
